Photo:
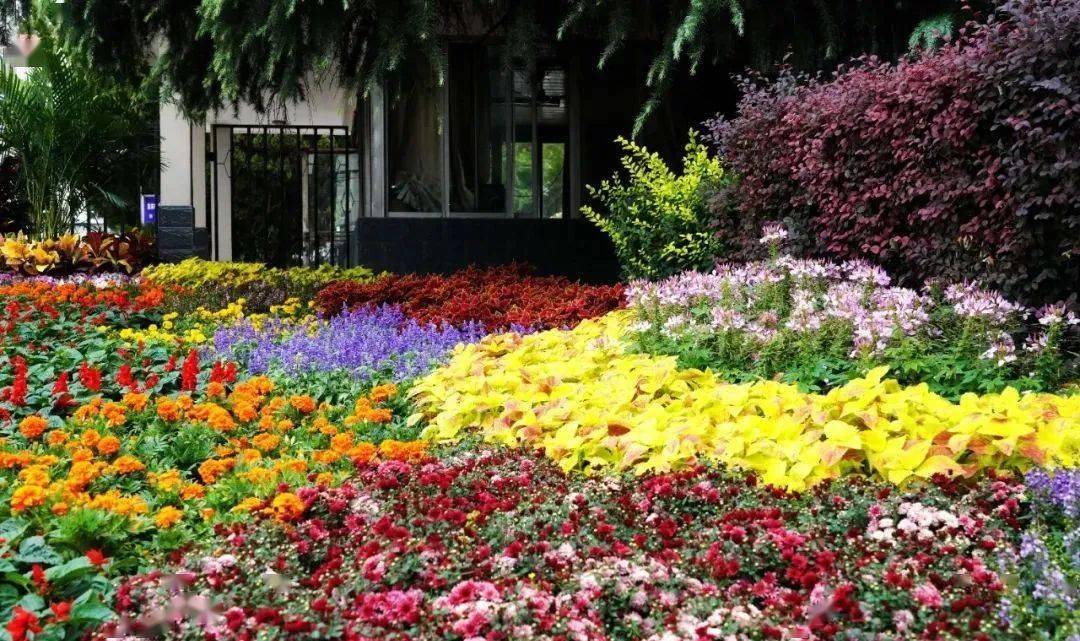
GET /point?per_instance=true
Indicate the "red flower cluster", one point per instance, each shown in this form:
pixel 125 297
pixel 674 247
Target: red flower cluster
pixel 497 297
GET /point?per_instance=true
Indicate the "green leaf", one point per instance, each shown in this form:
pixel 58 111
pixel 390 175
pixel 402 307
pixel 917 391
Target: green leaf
pixel 69 571
pixel 88 608
pixel 36 550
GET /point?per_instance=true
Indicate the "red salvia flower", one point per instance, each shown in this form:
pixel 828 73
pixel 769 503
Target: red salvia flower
pixel 90 377
pixel 189 372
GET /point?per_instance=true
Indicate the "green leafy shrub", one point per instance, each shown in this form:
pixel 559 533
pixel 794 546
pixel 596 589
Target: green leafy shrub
pixel 658 220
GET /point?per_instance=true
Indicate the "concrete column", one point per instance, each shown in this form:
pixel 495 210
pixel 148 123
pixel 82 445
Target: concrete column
pixel 176 157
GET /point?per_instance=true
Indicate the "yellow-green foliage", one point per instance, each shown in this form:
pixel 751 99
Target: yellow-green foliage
pixel 195 272
pixel 659 221
pixel 580 397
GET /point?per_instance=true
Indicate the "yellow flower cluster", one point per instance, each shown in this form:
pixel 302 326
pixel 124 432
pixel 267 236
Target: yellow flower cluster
pixel 585 401
pixel 199 326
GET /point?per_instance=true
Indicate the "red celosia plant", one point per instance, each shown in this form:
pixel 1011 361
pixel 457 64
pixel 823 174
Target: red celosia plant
pixel 498 297
pixel 961 163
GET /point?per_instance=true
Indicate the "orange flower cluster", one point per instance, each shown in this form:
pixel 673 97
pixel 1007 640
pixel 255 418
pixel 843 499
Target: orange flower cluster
pixel 258 439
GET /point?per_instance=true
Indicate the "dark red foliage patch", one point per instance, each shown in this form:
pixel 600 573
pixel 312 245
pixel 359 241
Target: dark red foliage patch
pixel 961 163
pixel 498 297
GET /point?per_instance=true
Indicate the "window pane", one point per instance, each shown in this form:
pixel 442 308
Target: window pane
pixel 413 145
pixel 478 122
pixel 524 178
pixel 554 157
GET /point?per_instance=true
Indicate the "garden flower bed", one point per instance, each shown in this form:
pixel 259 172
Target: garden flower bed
pixel 196 453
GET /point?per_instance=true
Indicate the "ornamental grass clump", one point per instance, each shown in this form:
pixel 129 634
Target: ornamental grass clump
pixel 581 398
pixel 820 324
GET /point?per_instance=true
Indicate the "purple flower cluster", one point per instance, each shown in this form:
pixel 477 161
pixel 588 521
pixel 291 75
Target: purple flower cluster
pixel 1060 489
pixel 367 342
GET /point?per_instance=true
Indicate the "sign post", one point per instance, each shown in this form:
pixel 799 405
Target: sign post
pixel 148 206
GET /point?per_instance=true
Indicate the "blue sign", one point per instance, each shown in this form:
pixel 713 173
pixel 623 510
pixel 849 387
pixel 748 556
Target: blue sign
pixel 149 209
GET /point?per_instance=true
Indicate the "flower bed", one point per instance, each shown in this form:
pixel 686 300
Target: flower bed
pixel 499 545
pixel 498 298
pixel 821 324
pixel 178 460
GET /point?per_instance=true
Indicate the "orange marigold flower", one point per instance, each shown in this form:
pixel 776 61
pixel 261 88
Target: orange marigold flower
pixel 193 491
pixel 286 506
pixel 266 442
pixel 244 411
pixel 135 401
pixel 35 475
pixel 250 455
pixel 362 453
pixel 377 415
pixel 57 437
pixel 284 425
pixel 215 389
pixel 303 404
pixel 90 438
pixel 212 469
pixel 408 451
pixel 88 411
pixel 128 465
pixel 341 443
pixel 220 419
pixel 32 427
pixel 185 402
pixel 168 409
pixel 26 497
pixel 324 478
pixel 323 426
pixel 114 413
pixel 382 393
pixel 108 445
pixel 59 508
pixel 326 457
pixel 167 517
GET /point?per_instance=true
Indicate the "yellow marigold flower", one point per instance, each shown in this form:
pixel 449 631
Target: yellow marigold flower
pixel 303 404
pixel 266 442
pixel 324 478
pixel 250 455
pixel 286 506
pixel 135 401
pixel 32 427
pixel 247 505
pixel 26 497
pixel 167 481
pixel 35 475
pixel 185 402
pixel 108 445
pixel 56 437
pixel 128 465
pixel 284 425
pixel 167 517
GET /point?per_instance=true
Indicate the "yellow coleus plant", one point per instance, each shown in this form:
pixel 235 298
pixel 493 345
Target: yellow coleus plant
pixel 588 404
